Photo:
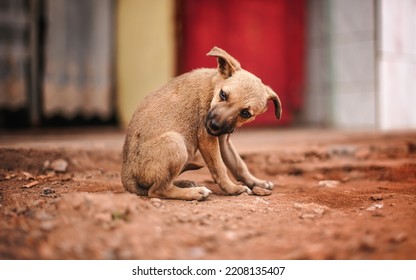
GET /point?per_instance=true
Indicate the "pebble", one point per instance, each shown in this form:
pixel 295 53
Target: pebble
pixel 376 197
pixel 59 165
pixel 399 238
pixel 342 150
pixel 374 206
pixel 28 176
pixel 156 202
pixel 328 183
pixel 10 176
pixel 47 225
pixel 262 201
pixel 47 191
pixel 310 210
pixel 31 184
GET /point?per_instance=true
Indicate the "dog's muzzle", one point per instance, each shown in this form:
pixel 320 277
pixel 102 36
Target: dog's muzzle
pixel 215 128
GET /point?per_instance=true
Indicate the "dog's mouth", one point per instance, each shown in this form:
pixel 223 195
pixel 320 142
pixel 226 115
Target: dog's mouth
pixel 214 129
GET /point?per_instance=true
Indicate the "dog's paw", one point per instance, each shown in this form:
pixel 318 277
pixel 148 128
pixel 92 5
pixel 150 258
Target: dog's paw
pixel 236 189
pixel 264 184
pixel 202 193
pixel 249 191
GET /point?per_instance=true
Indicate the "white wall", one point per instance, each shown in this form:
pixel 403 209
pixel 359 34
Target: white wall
pixel 361 64
pixel 318 98
pixel 341 63
pixel 397 64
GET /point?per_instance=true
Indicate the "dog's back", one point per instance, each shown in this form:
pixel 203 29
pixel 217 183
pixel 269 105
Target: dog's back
pixel 174 107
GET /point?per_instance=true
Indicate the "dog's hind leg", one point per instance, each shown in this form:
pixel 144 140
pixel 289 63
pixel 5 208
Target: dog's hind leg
pixel 132 186
pixel 186 190
pixel 166 165
pixel 129 182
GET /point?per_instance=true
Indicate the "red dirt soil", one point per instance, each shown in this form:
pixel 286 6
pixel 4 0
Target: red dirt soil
pixel 337 195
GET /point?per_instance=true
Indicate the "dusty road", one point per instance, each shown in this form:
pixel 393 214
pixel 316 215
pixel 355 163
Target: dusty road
pixel 338 195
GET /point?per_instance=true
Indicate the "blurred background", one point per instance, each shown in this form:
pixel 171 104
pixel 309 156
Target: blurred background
pixel 334 63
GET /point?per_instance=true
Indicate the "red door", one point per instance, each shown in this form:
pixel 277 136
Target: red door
pixel 266 36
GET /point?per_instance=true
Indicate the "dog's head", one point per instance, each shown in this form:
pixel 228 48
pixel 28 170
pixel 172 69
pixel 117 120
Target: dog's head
pixel 239 96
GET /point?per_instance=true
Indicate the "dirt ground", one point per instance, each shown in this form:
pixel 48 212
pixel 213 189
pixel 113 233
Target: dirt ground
pixel 337 195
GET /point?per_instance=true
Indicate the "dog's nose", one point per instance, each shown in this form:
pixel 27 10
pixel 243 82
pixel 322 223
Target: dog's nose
pixel 214 125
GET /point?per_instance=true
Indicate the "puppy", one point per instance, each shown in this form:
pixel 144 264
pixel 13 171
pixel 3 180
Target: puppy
pixel 195 111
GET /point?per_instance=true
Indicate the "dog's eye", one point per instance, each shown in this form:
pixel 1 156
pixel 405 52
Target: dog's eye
pixel 245 114
pixel 223 95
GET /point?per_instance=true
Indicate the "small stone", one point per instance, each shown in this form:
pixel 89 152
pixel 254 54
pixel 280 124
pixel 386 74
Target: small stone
pixel 10 176
pixel 307 216
pixel 376 197
pixel 342 150
pixel 46 164
pixel 375 206
pixel 156 202
pixel 31 184
pixel 399 238
pixel 28 176
pixel 47 225
pixel 310 210
pixel 345 179
pixel 47 191
pixel 328 183
pixel 261 191
pixel 262 201
pixel 59 165
pixel 49 175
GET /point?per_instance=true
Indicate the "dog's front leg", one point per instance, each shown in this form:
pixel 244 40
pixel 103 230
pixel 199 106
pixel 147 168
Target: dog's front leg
pixel 237 166
pixel 210 151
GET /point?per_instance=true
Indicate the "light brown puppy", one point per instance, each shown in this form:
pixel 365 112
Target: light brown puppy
pixel 195 111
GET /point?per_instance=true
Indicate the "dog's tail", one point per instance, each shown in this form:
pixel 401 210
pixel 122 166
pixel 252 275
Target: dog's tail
pixel 191 166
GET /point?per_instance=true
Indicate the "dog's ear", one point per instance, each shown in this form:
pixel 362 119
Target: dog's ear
pixel 227 64
pixel 271 95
